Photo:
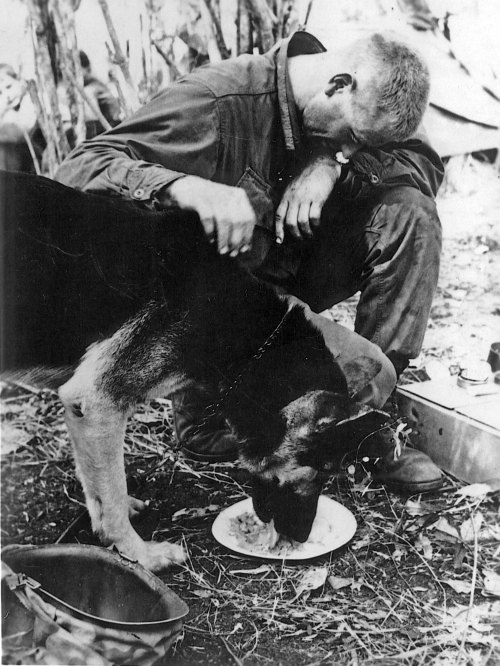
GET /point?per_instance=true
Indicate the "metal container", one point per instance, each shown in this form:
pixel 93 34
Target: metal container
pixel 114 607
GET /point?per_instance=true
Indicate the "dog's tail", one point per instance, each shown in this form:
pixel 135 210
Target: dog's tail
pixel 37 378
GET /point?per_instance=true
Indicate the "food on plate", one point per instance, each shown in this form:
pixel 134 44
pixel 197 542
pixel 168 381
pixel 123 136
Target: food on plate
pixel 251 533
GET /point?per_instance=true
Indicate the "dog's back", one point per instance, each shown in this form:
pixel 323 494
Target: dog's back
pixel 76 266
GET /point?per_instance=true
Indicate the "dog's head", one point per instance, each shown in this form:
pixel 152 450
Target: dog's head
pixel 313 441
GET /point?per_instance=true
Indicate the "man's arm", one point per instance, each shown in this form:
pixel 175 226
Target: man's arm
pixel 412 163
pixel 166 155
pixel 175 134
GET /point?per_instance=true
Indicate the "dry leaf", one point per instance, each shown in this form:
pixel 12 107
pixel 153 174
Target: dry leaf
pixel 475 490
pixel 312 579
pixel 252 572
pixel 444 526
pixel 469 529
pixel 203 594
pixel 13 438
pixel 337 582
pixel 417 508
pixel 491 581
pixel 399 552
pixel 423 543
pixel 460 586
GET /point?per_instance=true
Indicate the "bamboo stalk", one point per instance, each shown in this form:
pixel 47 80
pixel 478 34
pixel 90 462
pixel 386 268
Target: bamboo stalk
pixel 50 154
pixel 46 89
pixel 219 37
pixel 131 100
pixel 244 36
pixel 69 62
pixel 264 20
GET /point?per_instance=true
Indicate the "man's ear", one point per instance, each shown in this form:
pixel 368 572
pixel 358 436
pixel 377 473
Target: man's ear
pixel 359 372
pixel 339 82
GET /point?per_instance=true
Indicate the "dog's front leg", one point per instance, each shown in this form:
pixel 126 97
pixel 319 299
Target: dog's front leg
pixel 97 430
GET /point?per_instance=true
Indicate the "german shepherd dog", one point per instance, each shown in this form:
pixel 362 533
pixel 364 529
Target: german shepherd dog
pixel 131 304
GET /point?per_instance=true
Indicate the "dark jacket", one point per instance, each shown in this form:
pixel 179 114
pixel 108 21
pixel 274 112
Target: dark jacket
pixel 232 122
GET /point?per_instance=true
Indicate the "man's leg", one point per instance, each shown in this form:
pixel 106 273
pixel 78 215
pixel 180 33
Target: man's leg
pixel 412 471
pixel 209 440
pixel 388 249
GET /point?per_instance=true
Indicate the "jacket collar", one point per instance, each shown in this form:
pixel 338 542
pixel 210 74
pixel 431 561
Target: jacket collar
pixel 300 43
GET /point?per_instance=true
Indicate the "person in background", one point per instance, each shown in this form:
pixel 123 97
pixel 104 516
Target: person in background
pixel 102 97
pixel 17 120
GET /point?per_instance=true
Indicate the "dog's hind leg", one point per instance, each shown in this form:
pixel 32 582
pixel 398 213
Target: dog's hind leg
pixel 96 423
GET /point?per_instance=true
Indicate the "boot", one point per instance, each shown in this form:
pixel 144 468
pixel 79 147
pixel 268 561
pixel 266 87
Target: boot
pixel 410 472
pixel 214 441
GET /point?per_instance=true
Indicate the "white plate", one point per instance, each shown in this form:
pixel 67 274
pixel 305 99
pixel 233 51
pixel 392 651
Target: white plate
pixel 333 527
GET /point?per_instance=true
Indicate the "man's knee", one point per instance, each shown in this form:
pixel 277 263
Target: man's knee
pixel 410 197
pixel 376 393
pixel 407 221
pixel 415 212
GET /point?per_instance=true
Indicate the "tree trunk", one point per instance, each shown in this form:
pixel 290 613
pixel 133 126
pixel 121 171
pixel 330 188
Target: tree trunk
pixel 44 91
pixel 69 63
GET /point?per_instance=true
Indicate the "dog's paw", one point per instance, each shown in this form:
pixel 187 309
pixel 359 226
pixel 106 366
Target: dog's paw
pixel 135 507
pixel 159 556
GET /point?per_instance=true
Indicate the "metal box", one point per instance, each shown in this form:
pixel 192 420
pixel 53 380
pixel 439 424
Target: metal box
pixel 458 430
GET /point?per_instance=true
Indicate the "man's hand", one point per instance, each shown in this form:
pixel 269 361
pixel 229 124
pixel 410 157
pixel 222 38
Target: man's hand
pixel 299 212
pixel 225 212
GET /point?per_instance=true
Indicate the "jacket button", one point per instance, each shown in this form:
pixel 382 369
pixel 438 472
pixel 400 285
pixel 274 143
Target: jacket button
pixel 138 193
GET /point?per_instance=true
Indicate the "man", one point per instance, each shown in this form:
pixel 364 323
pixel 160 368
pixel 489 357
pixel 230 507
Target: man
pixel 250 145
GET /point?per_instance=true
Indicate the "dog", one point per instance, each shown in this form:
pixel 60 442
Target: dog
pixel 112 305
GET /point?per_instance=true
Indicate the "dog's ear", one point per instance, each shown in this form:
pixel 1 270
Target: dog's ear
pixel 359 372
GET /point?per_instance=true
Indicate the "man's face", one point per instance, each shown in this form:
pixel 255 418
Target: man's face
pixel 344 115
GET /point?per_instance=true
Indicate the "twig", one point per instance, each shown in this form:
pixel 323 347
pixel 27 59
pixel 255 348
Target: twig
pixel 92 104
pixel 168 60
pixel 34 158
pixel 472 587
pixel 226 645
pixel 119 57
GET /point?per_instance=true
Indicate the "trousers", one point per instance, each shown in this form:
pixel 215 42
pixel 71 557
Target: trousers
pixel 387 248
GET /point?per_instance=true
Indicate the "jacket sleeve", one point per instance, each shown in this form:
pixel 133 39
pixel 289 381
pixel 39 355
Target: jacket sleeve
pixel 412 163
pixel 175 134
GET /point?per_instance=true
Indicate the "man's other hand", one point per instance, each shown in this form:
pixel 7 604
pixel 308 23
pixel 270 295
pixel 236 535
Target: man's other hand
pixel 225 212
pixel 299 212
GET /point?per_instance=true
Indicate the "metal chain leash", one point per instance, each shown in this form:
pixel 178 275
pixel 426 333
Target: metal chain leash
pixel 213 408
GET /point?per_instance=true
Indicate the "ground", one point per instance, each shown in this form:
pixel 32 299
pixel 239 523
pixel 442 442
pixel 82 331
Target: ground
pixel 416 585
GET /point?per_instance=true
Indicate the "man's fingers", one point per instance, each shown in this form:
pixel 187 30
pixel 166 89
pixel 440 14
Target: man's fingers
pixel 235 238
pixel 208 222
pixel 291 221
pixel 279 221
pixel 222 231
pixel 315 213
pixel 303 220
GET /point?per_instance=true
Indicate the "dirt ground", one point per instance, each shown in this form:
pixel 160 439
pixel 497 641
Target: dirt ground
pixel 418 584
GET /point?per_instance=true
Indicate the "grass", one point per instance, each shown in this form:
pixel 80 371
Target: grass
pixel 390 597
